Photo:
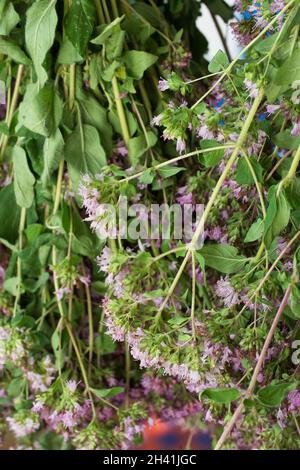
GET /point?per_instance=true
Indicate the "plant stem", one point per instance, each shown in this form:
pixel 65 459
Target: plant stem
pixel 81 365
pixel 12 108
pixel 90 320
pixel 294 166
pixel 120 111
pixel 19 261
pixel 229 426
pixel 99 11
pixel 106 11
pixel 127 373
pixel 72 86
pixel 193 295
pixel 114 8
pixel 177 159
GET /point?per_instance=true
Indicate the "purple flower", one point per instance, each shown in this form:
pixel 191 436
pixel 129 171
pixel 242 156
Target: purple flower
pixel 296 129
pixel 226 292
pixel 104 259
pixel 251 88
pixel 156 120
pixel 163 84
pixel 180 145
pixel 294 400
pixel 272 108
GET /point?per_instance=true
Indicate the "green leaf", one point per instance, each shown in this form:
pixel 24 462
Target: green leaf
pixel 295 302
pixel 286 141
pixel 289 71
pixel 278 215
pixel 52 153
pixel 41 21
pixel 107 392
pixel 212 158
pixel 273 395
pixel 68 54
pixel 221 395
pixel 9 214
pixel 244 174
pixel 137 146
pixel 79 24
pixel 33 231
pixel 177 320
pixel 23 178
pixel 16 386
pixel 11 285
pixel 147 177
pixel 84 153
pixel 168 171
pixel 137 62
pixel 219 62
pixel 95 115
pixel 9 18
pixel 40 110
pixel 107 31
pixel 223 258
pixel 255 232
pixel 12 50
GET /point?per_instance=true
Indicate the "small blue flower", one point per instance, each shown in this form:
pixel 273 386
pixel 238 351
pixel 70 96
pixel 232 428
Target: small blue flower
pixel 247 15
pixel 268 33
pixel 221 122
pixel 262 117
pixel 220 103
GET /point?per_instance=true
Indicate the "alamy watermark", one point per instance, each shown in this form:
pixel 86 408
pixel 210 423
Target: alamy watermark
pixel 154 222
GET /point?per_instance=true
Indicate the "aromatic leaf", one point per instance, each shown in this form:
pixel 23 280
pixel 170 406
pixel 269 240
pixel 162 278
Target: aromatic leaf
pixel 23 178
pixel 168 171
pixel 219 62
pixel 41 20
pixel 107 31
pixel 68 54
pixel 40 110
pixel 84 153
pixel 12 50
pixel 95 115
pixel 221 395
pixel 107 392
pixel 273 395
pixel 286 141
pixel 9 214
pixel 289 71
pixel 212 158
pixel 244 174
pixel 79 24
pixel 255 232
pixel 9 18
pixel 52 153
pixel 147 177
pixel 223 258
pixel 278 215
pixel 137 146
pixel 137 62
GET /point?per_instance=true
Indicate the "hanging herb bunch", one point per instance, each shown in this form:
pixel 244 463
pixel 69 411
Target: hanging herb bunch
pixel 103 101
pixel 223 319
